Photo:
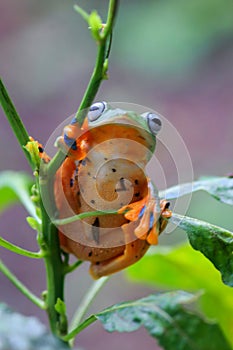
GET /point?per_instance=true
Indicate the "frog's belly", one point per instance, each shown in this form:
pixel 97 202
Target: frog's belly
pixel 93 234
pixel 97 184
pixel 90 250
pixel 116 183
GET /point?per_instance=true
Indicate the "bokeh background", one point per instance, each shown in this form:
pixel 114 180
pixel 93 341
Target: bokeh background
pixel 173 56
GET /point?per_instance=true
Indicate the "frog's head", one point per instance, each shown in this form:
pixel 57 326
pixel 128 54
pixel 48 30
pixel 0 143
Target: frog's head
pixel 128 124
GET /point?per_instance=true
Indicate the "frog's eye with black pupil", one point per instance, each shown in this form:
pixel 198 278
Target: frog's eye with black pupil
pixel 96 110
pixel 154 122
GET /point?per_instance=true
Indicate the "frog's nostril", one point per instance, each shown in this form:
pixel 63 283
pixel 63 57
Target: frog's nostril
pixel 96 110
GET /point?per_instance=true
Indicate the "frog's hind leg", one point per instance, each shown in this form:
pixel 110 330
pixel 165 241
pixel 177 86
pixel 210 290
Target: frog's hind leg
pixel 134 250
pixel 152 214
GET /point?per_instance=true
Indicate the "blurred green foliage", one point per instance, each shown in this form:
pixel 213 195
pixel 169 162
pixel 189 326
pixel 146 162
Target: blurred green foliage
pixel 167 37
pixel 15 187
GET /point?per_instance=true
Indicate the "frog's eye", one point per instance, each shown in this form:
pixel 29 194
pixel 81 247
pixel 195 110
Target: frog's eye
pixel 154 122
pixel 96 110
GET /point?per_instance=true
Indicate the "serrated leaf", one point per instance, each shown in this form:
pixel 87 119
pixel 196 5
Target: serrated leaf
pixel 214 242
pixel 18 332
pixel 14 188
pixel 183 267
pixel 221 188
pixel 167 319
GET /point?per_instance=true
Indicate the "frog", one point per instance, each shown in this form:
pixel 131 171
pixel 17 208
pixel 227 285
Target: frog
pixel 104 172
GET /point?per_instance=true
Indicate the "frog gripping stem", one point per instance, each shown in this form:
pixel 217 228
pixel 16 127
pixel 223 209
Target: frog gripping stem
pixel 104 170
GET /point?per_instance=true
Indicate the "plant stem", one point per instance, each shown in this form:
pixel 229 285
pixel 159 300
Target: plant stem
pixel 83 216
pixel 55 163
pixel 79 328
pixel 71 268
pixel 54 270
pixel 93 85
pixel 112 10
pixel 86 302
pixel 18 250
pixel 20 286
pixel 14 120
pixel 97 75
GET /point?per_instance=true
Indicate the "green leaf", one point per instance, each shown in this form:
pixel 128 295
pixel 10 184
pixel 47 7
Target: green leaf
pixel 27 333
pixel 14 188
pixel 60 307
pixel 95 24
pixel 214 242
pixel 183 267
pixel 221 188
pixel 168 318
pixel 33 223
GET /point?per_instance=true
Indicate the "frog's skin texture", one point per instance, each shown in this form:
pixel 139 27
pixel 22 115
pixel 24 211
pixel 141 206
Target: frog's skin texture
pixel 104 170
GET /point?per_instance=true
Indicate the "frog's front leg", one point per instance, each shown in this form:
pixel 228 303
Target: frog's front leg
pixel 75 140
pixel 134 250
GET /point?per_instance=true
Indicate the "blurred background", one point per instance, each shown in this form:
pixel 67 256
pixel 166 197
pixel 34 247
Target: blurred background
pixel 172 56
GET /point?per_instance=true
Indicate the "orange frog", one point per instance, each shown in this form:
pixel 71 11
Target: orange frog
pixel 104 171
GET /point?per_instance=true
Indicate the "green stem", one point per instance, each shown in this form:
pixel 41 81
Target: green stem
pixel 83 216
pixel 112 10
pixel 86 302
pixel 20 286
pixel 71 268
pixel 93 85
pixel 54 271
pixel 14 248
pixel 14 120
pixel 55 163
pixel 79 328
pixel 97 75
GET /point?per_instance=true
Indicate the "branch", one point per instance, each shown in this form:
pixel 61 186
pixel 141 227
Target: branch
pixel 21 287
pixel 14 120
pixel 79 328
pixel 86 302
pixel 18 250
pixel 81 216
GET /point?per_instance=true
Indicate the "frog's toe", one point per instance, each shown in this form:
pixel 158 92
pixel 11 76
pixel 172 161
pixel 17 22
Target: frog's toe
pixel 152 218
pixel 70 147
pixel 133 211
pixel 148 227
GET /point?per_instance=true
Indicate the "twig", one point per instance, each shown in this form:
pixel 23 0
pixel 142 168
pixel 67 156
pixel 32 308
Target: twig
pixel 20 286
